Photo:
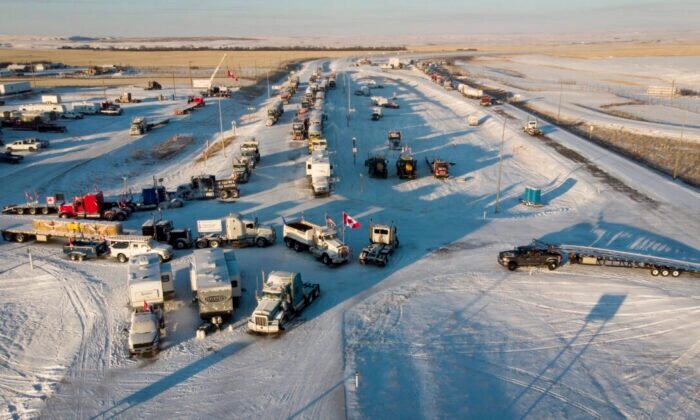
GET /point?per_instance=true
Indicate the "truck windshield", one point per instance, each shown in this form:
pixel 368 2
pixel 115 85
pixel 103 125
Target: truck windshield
pixel 329 236
pixel 272 295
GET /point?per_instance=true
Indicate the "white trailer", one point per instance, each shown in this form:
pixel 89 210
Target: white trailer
pixel 470 92
pixel 86 108
pixel 321 242
pixel 144 283
pixel 57 108
pixel 319 171
pixel 215 280
pixel 235 230
pixel 14 88
pixel 50 99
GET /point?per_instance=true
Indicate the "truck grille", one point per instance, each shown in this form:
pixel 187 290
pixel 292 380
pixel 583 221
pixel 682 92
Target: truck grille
pixel 261 321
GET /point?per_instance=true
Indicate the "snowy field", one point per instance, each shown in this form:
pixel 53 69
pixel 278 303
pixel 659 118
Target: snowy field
pixel 442 331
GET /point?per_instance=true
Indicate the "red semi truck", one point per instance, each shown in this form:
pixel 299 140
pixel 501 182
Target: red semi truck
pixel 91 206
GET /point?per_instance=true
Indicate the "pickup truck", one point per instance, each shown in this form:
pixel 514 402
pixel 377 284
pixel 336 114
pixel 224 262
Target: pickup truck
pixel 30 144
pixel 530 256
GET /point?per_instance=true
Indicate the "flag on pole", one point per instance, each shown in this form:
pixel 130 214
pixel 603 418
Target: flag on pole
pixel 28 197
pixel 145 306
pixel 348 221
pixel 329 222
pixel 230 74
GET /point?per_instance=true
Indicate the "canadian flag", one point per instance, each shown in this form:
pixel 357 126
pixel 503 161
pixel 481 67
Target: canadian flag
pixel 329 222
pixel 350 222
pixel 230 74
pixel 146 307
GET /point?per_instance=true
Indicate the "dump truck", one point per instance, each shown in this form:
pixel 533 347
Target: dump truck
pixel 205 187
pixel 91 206
pixel 321 242
pixel 382 243
pixel 274 112
pixel 240 171
pixel 394 140
pixel 406 166
pixel 284 296
pixel 250 152
pixel 140 126
pixel 215 280
pixel 319 171
pixel 439 168
pixel 235 230
pixel 163 231
pixel 531 128
pixel 377 166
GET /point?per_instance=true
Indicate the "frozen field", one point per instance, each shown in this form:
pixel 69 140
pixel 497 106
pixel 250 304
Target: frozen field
pixel 442 331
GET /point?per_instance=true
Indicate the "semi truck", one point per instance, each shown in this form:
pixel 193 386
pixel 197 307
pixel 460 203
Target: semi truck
pixel 163 231
pixel 382 243
pixel 152 198
pixel 406 166
pixel 321 242
pixel 91 206
pixel 469 91
pixel 250 152
pixel 532 129
pixel 205 187
pixel 284 296
pixel 235 230
pixel 319 171
pixel 139 125
pixel 274 112
pixel 215 280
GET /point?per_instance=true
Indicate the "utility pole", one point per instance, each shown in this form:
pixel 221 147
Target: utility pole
pixel 500 168
pixel 221 129
pixel 189 66
pixel 174 93
pixel 561 90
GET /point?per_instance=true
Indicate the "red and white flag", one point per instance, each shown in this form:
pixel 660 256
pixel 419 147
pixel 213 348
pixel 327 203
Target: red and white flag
pixel 146 307
pixel 348 221
pixel 230 74
pixel 329 222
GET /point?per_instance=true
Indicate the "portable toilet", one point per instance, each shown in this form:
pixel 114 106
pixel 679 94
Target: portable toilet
pixel 533 196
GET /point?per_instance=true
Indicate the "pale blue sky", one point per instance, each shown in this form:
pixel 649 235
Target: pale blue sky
pixel 339 18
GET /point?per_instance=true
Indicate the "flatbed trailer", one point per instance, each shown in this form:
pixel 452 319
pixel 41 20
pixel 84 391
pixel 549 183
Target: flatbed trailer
pixel 607 257
pixel 31 208
pixel 43 230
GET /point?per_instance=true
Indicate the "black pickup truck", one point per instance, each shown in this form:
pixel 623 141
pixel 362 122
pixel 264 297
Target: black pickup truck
pixel 529 256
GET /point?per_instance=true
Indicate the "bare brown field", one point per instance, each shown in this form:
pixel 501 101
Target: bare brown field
pixel 592 50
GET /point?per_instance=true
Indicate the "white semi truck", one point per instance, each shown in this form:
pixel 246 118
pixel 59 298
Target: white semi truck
pixel 215 279
pixel 235 230
pixel 319 171
pixel 284 295
pixel 321 242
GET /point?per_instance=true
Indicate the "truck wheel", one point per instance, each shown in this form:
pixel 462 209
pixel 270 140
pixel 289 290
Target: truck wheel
pixel 655 271
pixel 363 257
pixel 81 257
pixel 384 261
pixel 261 242
pixel 317 292
pixel 73 257
pixel 326 259
pixel 20 237
pixel 44 210
pixel 235 194
pixel 297 246
pixel 675 273
pixel 20 211
pixel 181 244
pixel 665 272
pixel 288 242
pixel 32 211
pixel 512 265
pixel 120 217
pixel 63 216
pixel 552 265
pixel 223 194
pixel 32 149
pixel 201 244
pixel 122 258
pixel 214 244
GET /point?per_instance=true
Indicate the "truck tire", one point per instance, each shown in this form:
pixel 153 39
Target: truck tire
pixel 20 210
pixel 298 247
pixel 214 243
pixel 552 265
pixel 120 216
pixel 180 244
pixel 122 258
pixel 235 193
pixel 261 242
pixel 20 237
pixel 512 265
pixel 317 292
pixel 665 272
pixel 655 271
pixel 363 257
pixel 224 195
pixel 675 273
pixel 32 211
pixel 201 243
pixel 288 242
pixel 73 257
pixel 326 259
pixel 383 262
pixel 32 149
pixel 81 257
pixel 63 216
pixel 44 210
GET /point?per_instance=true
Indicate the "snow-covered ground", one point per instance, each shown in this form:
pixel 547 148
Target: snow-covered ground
pixel 442 331
pixel 590 89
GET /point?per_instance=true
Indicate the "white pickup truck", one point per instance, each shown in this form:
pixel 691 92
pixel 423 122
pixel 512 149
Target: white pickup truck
pixel 31 145
pixel 321 242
